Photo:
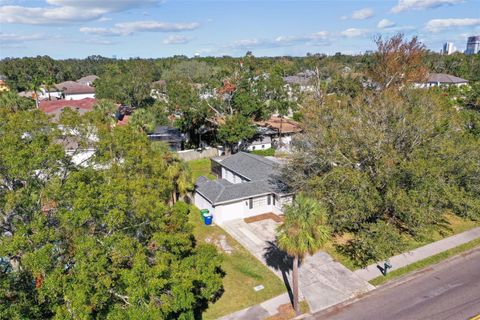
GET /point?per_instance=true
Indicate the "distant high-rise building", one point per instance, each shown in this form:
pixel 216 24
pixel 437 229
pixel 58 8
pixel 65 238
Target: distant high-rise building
pixel 473 45
pixel 449 48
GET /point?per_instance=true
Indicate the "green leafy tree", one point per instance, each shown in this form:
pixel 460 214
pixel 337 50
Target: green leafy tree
pixel 143 120
pixel 128 83
pixel 101 241
pixel 235 129
pixel 396 161
pixel 304 231
pixel 11 102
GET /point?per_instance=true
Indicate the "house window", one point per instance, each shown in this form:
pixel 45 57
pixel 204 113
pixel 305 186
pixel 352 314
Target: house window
pixel 263 146
pixel 274 200
pixel 250 203
pixel 253 147
pixel 260 202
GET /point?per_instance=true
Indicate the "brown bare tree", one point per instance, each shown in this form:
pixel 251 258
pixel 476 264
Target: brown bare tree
pixel 398 62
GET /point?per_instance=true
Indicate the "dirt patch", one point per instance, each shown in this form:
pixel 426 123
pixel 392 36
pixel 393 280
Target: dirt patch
pixel 221 243
pixel 286 312
pixel 264 216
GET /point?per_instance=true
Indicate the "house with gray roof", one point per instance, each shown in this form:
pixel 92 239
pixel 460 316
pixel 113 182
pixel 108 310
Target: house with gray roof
pixel 247 185
pixel 441 79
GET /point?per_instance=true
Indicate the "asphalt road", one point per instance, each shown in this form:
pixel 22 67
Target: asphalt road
pixel 449 290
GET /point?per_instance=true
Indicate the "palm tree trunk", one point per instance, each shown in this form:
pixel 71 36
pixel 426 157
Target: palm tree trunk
pixel 295 285
pixel 36 99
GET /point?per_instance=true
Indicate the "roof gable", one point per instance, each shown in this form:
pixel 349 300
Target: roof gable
pixel 249 165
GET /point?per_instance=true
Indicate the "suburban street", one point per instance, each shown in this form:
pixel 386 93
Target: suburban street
pixel 450 290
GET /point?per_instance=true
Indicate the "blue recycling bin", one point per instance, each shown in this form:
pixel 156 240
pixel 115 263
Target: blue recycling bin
pixel 207 218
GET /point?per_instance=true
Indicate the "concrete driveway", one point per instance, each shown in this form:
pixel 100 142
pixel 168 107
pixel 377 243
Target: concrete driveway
pixel 323 281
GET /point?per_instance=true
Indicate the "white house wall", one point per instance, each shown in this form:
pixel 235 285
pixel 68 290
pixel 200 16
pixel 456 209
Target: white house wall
pixel 231 177
pixel 240 210
pixel 202 203
pixel 259 147
pixel 230 211
pixel 79 96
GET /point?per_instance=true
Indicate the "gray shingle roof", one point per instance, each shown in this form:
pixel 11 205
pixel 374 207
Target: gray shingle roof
pixel 250 166
pixel 444 78
pixel 220 191
pixel 262 173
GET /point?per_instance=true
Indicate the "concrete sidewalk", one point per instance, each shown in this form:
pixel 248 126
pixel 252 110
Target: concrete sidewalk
pixel 260 311
pixel 404 259
pixel 323 282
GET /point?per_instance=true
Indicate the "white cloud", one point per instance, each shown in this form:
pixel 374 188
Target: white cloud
pixel 436 25
pixel 177 39
pixel 354 32
pixel 385 23
pixel 312 39
pixel 16 38
pixel 404 5
pixel 126 28
pixel 363 14
pixel 65 11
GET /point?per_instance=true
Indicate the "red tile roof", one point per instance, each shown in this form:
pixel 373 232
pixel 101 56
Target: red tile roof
pixel 275 123
pixel 54 106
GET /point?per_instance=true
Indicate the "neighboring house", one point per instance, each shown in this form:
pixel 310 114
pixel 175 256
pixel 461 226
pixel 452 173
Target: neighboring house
pixel 172 136
pixel 80 154
pixel 441 79
pixel 3 84
pixel 158 90
pixel 302 79
pixel 281 131
pixel 87 80
pixel 55 107
pixel 263 142
pixel 72 90
pixel 248 185
pixel 51 93
pixel 27 94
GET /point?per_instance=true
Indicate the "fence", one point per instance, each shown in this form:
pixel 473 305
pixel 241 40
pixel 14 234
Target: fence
pixel 188 155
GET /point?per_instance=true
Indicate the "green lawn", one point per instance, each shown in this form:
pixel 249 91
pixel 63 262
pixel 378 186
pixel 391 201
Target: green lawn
pixel 242 270
pixel 201 167
pixel 242 273
pixel 426 262
pixel 454 225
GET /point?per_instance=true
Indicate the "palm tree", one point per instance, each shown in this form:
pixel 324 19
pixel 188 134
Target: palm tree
pixel 179 173
pixel 304 231
pixel 143 120
pixel 34 85
pixel 49 83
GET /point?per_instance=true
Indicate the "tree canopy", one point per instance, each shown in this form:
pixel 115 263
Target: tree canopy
pixel 389 166
pixel 96 241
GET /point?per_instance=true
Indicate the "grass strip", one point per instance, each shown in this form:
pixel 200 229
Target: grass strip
pixel 425 262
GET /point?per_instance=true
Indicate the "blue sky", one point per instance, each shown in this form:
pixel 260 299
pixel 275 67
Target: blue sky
pixel 160 28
